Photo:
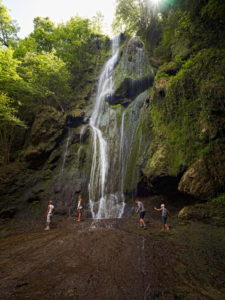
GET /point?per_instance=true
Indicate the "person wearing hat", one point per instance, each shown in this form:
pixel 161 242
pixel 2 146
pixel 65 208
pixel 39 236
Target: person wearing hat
pixel 165 213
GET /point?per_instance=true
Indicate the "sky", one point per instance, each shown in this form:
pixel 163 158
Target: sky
pixel 24 11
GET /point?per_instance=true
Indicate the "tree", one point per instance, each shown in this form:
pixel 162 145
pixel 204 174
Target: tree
pixel 8 122
pixel 48 77
pixel 137 17
pixel 96 23
pixel 29 44
pixel 72 44
pixel 43 34
pixel 10 80
pixel 8 27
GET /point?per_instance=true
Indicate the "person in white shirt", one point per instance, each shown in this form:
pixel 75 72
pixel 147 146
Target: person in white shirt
pixel 49 213
pixel 79 208
pixel 141 210
pixel 165 213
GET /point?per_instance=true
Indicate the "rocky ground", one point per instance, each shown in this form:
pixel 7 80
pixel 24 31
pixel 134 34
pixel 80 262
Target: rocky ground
pixel 112 259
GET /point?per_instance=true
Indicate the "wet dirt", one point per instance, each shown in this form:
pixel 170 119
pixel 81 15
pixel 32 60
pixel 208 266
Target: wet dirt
pixel 111 259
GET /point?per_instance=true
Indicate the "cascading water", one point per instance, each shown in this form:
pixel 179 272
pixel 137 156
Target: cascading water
pixel 114 134
pixel 66 151
pixel 104 201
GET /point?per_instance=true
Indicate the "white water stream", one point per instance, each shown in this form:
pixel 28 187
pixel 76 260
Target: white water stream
pixel 114 132
pixel 66 151
pixel 104 202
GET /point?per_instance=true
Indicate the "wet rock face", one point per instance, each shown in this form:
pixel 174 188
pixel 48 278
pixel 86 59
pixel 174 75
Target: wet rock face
pixel 206 176
pixel 133 73
pixel 130 89
pixel 187 124
pixel 75 118
pixel 65 192
pixel 46 133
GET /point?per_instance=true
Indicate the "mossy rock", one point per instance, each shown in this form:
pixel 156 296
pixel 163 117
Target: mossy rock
pixel 187 119
pixel 48 125
pixel 170 68
pixel 157 165
pixel 206 176
pixel 155 62
pixel 207 212
pixel 46 133
pixel 130 89
pixel 181 49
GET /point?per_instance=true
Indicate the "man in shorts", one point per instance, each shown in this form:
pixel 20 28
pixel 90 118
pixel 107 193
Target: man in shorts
pixel 49 213
pixel 165 213
pixel 141 210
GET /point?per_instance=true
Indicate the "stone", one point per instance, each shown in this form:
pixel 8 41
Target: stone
pixel 130 89
pixel 206 177
pixel 8 212
pixel 205 212
pixel 170 68
pixel 46 133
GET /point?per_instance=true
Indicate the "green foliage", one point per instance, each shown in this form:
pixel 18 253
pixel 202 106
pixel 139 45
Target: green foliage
pixel 44 68
pixel 8 112
pixel 185 121
pixel 8 121
pixel 10 81
pixel 8 27
pixel 137 18
pixel 176 28
pixel 29 44
pixel 161 75
pixel 48 77
pixel 43 33
pixel 72 44
pixel 219 200
pixel 96 24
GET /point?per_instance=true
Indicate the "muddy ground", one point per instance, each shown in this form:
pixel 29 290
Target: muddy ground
pixel 112 259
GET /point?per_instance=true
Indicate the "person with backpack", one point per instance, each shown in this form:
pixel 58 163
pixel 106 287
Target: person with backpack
pixel 165 213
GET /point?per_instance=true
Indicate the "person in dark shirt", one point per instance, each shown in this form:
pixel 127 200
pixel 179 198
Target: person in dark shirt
pixel 165 213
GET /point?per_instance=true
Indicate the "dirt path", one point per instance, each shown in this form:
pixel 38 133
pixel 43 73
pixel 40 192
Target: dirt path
pixel 111 259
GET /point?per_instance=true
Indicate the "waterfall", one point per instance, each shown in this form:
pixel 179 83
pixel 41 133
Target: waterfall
pixel 122 148
pixel 105 198
pixel 116 138
pixel 66 151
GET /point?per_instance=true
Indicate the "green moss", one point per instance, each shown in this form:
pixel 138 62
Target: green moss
pixel 170 68
pixel 183 122
pixel 219 200
pixel 115 106
pixel 161 75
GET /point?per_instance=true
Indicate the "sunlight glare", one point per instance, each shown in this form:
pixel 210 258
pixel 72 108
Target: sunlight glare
pixel 155 4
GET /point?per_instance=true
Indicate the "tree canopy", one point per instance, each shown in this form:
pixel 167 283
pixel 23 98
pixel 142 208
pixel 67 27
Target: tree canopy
pixel 8 27
pixel 44 68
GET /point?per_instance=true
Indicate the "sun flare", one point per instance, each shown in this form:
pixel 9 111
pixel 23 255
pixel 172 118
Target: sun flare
pixel 155 3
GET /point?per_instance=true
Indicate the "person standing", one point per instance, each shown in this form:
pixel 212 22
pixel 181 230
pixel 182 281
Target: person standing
pixel 79 208
pixel 141 211
pixel 49 213
pixel 165 213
